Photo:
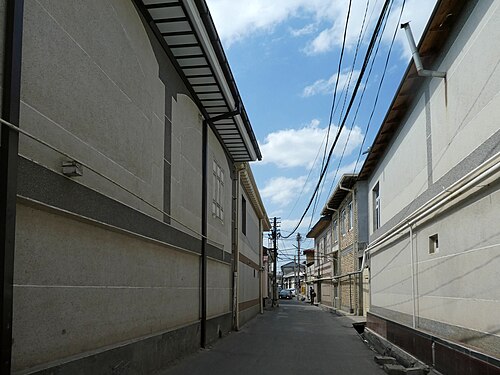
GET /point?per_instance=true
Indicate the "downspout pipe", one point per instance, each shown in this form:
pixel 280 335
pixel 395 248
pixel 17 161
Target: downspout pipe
pixel 412 262
pixel 204 226
pixel 236 246
pixel 11 99
pixel 261 268
pixel 416 56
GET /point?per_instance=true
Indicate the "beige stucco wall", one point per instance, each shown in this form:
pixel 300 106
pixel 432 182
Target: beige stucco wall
pixel 77 94
pixel 219 230
pixel 250 247
pixel 461 283
pixel 219 288
pixel 473 78
pixel 186 171
pixel 458 286
pixel 455 116
pixel 79 287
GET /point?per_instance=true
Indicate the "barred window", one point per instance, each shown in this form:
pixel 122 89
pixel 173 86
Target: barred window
pixel 218 191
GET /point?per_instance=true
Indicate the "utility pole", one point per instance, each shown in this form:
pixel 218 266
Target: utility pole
pixel 299 238
pixel 274 235
pixel 295 276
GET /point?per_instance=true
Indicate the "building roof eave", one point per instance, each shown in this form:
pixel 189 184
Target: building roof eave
pixel 186 31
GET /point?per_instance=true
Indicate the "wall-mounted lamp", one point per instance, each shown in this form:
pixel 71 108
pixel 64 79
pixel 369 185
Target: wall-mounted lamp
pixel 72 168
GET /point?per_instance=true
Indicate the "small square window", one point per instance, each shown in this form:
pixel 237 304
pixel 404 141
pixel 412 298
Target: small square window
pixel 433 244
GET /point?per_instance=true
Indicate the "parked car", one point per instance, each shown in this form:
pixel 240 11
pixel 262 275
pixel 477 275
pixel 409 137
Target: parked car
pixel 292 290
pixel 285 294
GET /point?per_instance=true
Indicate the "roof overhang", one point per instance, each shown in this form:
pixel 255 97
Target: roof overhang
pixel 186 31
pixel 434 37
pixel 346 182
pixel 319 227
pixel 252 191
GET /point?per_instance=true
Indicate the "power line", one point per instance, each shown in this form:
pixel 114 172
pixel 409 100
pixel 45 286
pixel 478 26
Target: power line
pixel 345 90
pixel 380 85
pixel 361 98
pixel 333 101
pixel 363 68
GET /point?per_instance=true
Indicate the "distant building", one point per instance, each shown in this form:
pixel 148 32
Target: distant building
pixel 293 276
pixel 433 175
pixel 340 237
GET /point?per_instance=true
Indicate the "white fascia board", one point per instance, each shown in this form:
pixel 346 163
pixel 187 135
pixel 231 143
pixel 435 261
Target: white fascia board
pixel 246 138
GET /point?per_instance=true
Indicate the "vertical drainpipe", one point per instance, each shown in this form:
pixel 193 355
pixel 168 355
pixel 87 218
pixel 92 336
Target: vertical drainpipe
pixel 261 269
pixel 236 250
pixel 8 170
pixel 204 232
pixel 412 263
pixel 204 220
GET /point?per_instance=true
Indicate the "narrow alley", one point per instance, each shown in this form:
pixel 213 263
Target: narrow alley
pixel 295 338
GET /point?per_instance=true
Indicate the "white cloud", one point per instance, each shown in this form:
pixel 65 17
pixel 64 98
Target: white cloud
pixel 299 147
pixel 288 225
pixel 326 86
pixel 237 20
pixel 306 30
pixel 415 12
pixel 282 190
pixel 349 168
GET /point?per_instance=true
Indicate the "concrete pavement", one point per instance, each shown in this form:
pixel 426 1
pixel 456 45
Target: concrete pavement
pixel 295 338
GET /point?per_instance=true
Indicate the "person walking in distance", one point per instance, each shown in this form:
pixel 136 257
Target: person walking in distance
pixel 313 294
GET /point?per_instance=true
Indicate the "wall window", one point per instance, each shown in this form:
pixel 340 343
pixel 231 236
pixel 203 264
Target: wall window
pixel 376 207
pixel 350 221
pixel 328 246
pixel 335 231
pixel 243 215
pixel 321 250
pixel 335 260
pixel 218 192
pixel 433 244
pixel 343 222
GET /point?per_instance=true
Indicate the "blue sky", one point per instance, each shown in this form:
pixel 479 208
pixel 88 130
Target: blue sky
pixel 284 55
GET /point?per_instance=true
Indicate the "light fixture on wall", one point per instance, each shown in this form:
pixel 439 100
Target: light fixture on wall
pixel 72 168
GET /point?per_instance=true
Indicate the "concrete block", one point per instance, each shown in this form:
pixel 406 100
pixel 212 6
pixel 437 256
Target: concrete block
pixel 383 360
pixel 394 369
pixel 416 371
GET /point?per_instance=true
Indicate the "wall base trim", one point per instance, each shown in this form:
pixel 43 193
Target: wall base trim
pixel 443 355
pixel 137 356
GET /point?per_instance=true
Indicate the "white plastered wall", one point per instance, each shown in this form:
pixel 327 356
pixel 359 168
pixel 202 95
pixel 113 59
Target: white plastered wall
pixel 79 287
pixel 458 286
pixel 90 87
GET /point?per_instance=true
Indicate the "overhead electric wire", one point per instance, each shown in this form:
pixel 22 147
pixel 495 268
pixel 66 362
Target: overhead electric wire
pixel 307 179
pixel 339 69
pixel 355 90
pixel 361 99
pixel 379 86
pixel 345 90
pixel 358 44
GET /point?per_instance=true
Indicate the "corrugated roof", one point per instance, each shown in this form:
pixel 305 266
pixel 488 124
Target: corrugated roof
pixel 186 31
